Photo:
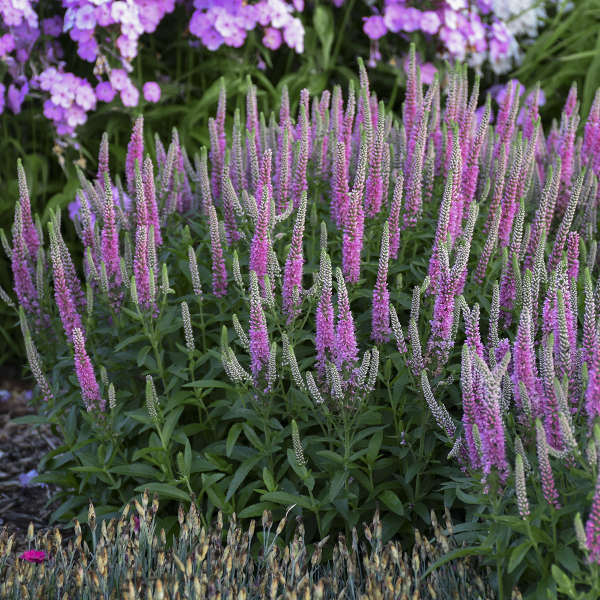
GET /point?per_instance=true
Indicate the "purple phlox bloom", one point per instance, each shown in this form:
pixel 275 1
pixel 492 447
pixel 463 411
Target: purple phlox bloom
pixel 272 38
pixel 398 17
pixel 293 34
pixel 151 91
pixel 105 91
pixel 374 27
pixel 430 22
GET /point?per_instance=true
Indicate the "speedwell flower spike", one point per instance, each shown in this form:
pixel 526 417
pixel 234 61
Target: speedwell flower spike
pixel 30 233
pixel 397 330
pixel 90 391
pixel 292 274
pixel 151 398
pixel 439 412
pixel 289 358
pixel 565 225
pixel 259 339
pixel 135 154
pixel 380 312
pixel 219 272
pixel 521 488
pixel 547 477
pixel 346 349
pixel 373 370
pixel 193 267
pixel 394 218
pixel 187 327
pixel 63 294
pixel 325 333
pixel 313 389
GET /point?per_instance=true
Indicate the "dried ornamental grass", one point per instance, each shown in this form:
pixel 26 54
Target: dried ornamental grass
pixel 131 561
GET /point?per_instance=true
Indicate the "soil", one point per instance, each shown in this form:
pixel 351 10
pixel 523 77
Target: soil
pixel 21 449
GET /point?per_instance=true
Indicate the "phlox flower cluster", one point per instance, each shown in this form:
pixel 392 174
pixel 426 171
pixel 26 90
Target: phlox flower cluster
pixel 108 36
pixel 228 22
pixel 472 32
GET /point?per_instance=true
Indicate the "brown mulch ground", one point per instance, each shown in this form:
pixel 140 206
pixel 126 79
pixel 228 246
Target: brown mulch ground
pixel 21 448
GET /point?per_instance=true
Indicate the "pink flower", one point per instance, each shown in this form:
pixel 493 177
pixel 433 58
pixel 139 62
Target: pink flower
pixel 272 38
pixel 374 27
pixel 130 95
pixel 105 92
pixel 90 392
pixel 118 79
pixel 36 556
pixel 293 35
pixel 430 22
pixel 151 91
pixel 400 18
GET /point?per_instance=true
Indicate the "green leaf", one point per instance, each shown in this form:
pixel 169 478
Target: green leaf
pixel 209 478
pixel 567 559
pixel 232 437
pixel 374 446
pixel 391 500
pixel 337 482
pixel 323 22
pixel 288 499
pixel 565 585
pixel 240 475
pixel 187 458
pixel 269 480
pixel 170 423
pixel 255 510
pixel 30 420
pixel 141 356
pixel 517 555
pixel 208 383
pixel 332 456
pixel 252 437
pixel 87 469
pixel 165 490
pixel 136 470
pixel 459 553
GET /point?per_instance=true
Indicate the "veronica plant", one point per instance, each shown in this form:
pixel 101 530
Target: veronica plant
pixel 258 297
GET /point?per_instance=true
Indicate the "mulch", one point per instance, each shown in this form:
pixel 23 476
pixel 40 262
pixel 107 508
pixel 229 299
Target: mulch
pixel 21 449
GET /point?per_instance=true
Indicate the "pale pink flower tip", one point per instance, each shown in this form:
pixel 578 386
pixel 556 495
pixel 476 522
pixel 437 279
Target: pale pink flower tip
pixel 151 91
pixel 36 556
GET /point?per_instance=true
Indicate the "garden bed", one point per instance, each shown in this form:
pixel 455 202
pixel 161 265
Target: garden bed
pixel 21 448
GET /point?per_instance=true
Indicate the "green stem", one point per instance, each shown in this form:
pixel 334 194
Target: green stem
pixel 202 323
pixel 341 30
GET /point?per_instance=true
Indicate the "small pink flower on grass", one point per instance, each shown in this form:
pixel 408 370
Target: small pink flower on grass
pixel 151 91
pixel 36 556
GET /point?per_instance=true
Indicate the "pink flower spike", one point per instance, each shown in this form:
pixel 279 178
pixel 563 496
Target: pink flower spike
pixel 219 272
pixel 259 337
pixel 36 556
pixel 135 152
pixel 346 349
pixel 90 392
pixel 292 275
pixel 380 317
